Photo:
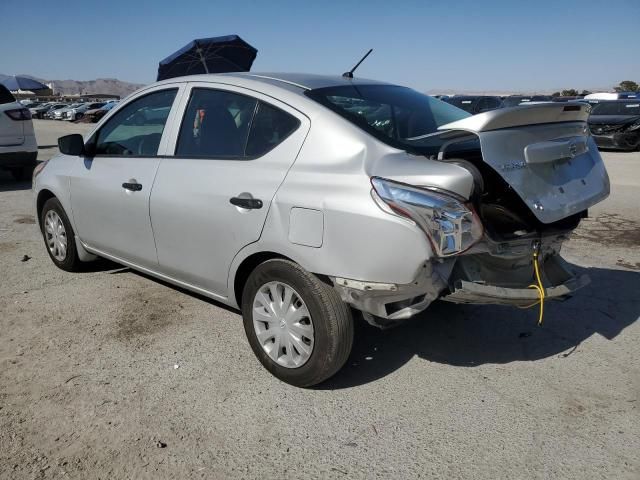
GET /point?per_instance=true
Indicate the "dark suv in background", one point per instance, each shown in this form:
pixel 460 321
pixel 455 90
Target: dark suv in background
pixel 616 124
pixel 515 100
pixel 475 103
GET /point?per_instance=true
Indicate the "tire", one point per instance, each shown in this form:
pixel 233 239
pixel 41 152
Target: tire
pixel 329 316
pixel 70 262
pixel 22 174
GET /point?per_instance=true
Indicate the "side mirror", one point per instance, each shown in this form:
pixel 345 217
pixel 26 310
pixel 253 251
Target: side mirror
pixel 71 145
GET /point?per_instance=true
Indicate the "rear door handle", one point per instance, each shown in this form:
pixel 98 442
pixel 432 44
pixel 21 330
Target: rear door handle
pixel 134 187
pixel 248 203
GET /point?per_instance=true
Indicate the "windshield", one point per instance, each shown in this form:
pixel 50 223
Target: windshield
pixel 617 108
pixel 395 115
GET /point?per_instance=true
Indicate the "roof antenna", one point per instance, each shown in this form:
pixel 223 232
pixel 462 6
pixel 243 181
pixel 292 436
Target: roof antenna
pixel 349 74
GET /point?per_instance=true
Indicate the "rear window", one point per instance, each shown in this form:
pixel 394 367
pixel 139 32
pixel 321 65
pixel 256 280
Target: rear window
pixel 396 115
pixel 5 95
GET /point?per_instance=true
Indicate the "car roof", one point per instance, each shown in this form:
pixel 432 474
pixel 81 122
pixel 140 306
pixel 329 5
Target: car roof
pixel 289 81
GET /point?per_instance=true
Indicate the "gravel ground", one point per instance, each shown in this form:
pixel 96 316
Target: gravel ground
pixel 110 374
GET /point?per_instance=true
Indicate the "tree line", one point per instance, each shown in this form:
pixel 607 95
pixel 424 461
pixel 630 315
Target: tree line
pixel 624 86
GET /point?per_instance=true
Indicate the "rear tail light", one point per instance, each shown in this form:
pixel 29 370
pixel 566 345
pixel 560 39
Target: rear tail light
pixel 37 171
pixel 19 114
pixel 451 225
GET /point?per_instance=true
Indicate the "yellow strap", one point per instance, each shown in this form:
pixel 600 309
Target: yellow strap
pixel 539 287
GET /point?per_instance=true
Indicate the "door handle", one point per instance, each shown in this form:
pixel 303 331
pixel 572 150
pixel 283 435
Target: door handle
pixel 248 203
pixel 132 186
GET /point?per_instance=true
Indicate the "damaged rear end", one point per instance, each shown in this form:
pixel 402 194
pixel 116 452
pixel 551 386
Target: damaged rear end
pixel 536 170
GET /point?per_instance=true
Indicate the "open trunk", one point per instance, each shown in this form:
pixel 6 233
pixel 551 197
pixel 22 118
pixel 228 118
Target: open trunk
pixel 536 172
pixel 543 153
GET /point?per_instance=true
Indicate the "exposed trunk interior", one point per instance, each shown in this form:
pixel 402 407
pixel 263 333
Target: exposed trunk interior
pixel 503 213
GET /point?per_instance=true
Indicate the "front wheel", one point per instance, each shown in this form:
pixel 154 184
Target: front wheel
pixel 298 326
pixel 59 237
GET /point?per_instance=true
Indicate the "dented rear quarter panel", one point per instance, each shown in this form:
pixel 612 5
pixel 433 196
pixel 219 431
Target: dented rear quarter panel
pixel 360 240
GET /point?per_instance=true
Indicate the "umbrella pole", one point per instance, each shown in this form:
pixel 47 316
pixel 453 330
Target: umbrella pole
pixel 204 63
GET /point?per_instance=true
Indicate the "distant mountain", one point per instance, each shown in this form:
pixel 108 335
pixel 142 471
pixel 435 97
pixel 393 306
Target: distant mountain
pixel 110 86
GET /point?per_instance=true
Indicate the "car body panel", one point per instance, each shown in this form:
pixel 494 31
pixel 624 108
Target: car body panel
pixel 98 200
pixel 12 132
pixel 18 145
pixel 193 195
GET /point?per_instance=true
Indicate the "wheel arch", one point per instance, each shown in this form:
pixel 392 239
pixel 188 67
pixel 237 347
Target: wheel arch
pixel 247 266
pixel 43 196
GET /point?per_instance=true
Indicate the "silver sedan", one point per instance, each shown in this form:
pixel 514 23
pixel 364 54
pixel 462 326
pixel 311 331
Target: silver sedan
pixel 301 199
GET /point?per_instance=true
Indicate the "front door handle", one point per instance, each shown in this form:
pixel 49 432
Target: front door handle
pixel 132 186
pixel 248 203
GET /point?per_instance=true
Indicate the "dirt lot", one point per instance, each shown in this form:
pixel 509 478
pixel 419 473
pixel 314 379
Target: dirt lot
pixel 110 374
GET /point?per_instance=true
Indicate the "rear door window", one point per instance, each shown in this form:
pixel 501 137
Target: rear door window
pixel 223 124
pixel 270 127
pixel 215 124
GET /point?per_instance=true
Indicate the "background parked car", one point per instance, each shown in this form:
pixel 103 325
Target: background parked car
pixel 41 110
pixel 576 98
pixel 612 95
pixel 78 112
pixel 94 115
pixel 60 113
pixel 475 104
pixel 18 147
pixel 515 100
pixel 616 124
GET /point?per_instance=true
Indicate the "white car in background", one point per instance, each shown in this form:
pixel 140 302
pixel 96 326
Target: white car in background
pixel 18 147
pixel 61 113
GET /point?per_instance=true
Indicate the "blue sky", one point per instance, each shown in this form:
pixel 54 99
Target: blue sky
pixel 472 45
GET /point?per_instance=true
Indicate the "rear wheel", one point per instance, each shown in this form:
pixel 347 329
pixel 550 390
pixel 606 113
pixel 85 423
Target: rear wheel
pixel 298 327
pixel 59 237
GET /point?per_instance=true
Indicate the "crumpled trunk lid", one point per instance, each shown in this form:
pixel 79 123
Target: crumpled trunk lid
pixel 543 151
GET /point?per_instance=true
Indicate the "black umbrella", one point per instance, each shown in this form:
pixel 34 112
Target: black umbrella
pixel 16 83
pixel 209 55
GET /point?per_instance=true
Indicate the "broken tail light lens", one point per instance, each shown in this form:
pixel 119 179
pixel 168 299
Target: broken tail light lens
pixel 19 114
pixel 451 225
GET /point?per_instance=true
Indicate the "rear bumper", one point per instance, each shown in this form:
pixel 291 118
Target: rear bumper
pixel 18 159
pixel 619 141
pixel 469 284
pixel 476 293
pixel 474 279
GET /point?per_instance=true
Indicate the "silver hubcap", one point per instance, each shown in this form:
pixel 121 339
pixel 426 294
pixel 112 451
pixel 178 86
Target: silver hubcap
pixel 56 235
pixel 283 324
